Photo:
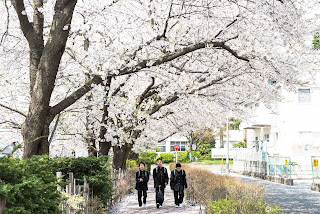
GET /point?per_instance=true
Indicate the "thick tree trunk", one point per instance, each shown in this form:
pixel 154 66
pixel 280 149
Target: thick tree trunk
pixel 92 149
pixel 104 148
pixel 35 132
pixel 120 156
pixel 2 205
pixel 104 145
pixel 133 155
pixel 44 63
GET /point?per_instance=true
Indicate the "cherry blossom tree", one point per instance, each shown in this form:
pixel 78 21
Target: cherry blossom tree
pixel 194 57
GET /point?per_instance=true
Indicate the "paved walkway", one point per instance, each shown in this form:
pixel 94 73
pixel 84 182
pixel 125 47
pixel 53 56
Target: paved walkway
pixel 129 205
pixel 297 199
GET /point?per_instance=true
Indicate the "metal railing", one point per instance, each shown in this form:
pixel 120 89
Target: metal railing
pixel 315 169
pixel 279 166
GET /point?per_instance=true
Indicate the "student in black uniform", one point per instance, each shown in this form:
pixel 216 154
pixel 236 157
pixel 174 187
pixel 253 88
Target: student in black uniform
pixel 161 179
pixel 178 182
pixel 142 178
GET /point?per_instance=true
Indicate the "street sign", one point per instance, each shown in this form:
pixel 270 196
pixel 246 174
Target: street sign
pixel 176 147
pixel 315 163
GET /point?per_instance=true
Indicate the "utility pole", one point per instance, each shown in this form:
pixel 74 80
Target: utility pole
pixel 227 159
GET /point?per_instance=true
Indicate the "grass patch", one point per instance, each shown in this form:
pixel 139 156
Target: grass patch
pixel 215 161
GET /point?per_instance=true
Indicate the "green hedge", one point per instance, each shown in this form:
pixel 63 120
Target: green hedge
pixel 132 163
pixel 185 156
pixel 94 169
pixel 167 157
pixel 245 206
pixel 150 157
pixel 30 187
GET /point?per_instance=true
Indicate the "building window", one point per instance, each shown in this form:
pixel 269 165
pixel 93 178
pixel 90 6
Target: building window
pixel 266 137
pixel 182 145
pixel 162 148
pixel 304 95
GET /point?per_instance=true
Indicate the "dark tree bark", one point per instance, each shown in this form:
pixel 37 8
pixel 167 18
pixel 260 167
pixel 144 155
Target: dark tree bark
pixel 90 136
pixel 44 64
pixel 120 156
pixel 133 155
pixel 104 145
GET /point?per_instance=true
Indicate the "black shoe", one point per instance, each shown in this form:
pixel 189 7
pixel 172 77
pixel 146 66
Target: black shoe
pixel 158 205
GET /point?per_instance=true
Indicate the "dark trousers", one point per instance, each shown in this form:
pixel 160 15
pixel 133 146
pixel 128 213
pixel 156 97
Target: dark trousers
pixel 162 190
pixel 178 197
pixel 140 196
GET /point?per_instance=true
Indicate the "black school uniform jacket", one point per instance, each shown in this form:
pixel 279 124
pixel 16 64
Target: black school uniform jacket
pixel 142 185
pixel 160 176
pixel 178 180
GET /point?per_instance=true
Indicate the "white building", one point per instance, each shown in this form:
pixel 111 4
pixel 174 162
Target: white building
pixel 289 128
pixel 168 145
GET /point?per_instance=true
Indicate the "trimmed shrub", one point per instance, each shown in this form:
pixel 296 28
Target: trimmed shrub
pixel 183 156
pixel 132 163
pixel 195 154
pixel 94 169
pixel 245 206
pixel 30 185
pixel 167 157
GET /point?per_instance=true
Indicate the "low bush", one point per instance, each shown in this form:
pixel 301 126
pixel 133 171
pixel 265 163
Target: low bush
pixel 30 186
pixel 94 169
pixel 245 206
pixel 132 163
pixel 167 157
pixel 195 154
pixel 183 156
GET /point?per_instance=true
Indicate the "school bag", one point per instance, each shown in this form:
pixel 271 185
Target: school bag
pixel 159 197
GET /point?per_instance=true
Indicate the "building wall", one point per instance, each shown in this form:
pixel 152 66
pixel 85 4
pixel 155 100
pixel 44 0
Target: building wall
pixel 293 128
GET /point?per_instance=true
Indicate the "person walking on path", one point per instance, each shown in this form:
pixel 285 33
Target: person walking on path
pixel 142 178
pixel 161 179
pixel 177 183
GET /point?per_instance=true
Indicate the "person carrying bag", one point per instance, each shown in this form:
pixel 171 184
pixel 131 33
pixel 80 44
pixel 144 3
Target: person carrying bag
pixel 161 179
